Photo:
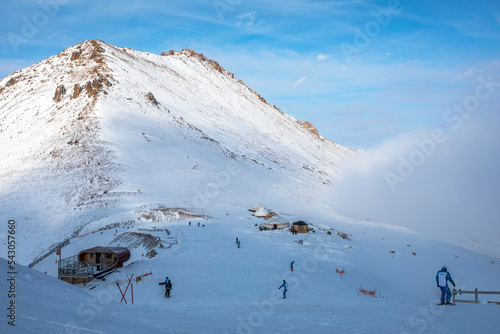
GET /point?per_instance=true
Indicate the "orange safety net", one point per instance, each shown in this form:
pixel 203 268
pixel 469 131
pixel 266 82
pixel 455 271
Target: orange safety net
pixel 366 292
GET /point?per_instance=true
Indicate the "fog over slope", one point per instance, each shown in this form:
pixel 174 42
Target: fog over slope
pixel 446 188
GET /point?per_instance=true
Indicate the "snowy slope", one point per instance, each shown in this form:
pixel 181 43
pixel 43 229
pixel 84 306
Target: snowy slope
pixel 218 288
pixel 99 131
pixel 144 142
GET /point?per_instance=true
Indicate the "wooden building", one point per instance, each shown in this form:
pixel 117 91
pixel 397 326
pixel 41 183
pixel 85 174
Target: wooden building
pixel 299 227
pixel 105 257
pixel 89 263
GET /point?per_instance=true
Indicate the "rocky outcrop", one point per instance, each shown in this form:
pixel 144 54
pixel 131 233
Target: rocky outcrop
pixel 151 98
pixel 310 127
pixel 59 94
pixel 88 50
pixel 11 82
pixel 97 85
pixel 77 89
pixel 76 55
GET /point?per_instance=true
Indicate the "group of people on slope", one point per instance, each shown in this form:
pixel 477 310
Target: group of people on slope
pixel 442 279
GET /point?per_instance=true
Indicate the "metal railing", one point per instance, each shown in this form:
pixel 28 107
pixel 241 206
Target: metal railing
pixel 476 294
pixel 50 252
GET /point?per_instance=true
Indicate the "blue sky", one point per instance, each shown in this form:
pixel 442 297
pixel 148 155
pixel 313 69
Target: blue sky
pixel 361 71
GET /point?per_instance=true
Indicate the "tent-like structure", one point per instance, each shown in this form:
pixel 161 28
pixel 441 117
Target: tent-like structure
pixel 270 214
pixel 261 212
pixel 256 207
pixel 275 223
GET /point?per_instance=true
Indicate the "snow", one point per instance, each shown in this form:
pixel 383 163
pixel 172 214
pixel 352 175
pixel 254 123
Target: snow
pixel 219 288
pixel 81 160
pixel 90 170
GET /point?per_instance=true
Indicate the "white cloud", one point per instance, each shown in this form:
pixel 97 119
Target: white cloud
pixel 300 81
pixel 451 193
pixel 248 19
pixel 322 57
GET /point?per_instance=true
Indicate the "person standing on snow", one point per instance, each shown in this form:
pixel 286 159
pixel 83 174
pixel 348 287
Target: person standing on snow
pixel 285 286
pixel 442 278
pixel 168 287
pixel 291 265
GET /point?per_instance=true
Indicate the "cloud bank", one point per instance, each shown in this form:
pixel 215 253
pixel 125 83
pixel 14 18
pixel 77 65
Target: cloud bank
pixel 448 189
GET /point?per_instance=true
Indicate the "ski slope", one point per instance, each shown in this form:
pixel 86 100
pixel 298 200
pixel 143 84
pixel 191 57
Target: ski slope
pixel 218 288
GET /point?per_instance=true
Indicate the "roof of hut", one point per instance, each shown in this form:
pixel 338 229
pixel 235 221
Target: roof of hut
pixel 300 222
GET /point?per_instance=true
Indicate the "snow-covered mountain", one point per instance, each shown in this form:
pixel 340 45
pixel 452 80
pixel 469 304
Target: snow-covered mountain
pixel 99 130
pixel 109 146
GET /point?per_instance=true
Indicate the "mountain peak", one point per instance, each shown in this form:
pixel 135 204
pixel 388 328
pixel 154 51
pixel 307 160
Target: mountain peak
pixel 87 51
pixel 96 123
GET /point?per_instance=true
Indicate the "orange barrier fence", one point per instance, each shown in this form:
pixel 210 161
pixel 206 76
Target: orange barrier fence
pixel 367 292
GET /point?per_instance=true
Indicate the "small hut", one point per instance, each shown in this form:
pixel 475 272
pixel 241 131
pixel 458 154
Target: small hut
pixel 105 257
pixel 299 227
pixel 91 263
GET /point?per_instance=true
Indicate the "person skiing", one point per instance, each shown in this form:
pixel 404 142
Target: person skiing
pixel 285 286
pixel 442 278
pixel 239 243
pixel 168 287
pixel 291 265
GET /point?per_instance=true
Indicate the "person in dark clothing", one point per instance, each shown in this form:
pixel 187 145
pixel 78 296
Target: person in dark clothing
pixel 168 287
pixel 285 286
